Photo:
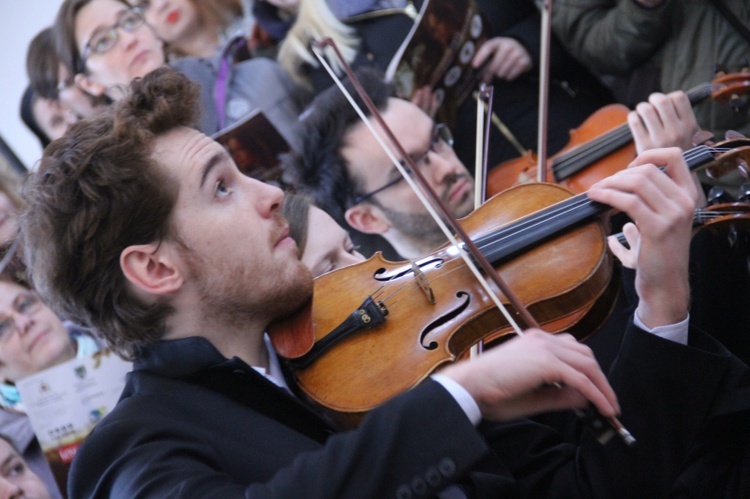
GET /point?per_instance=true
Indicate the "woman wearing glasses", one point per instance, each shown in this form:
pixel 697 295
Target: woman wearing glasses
pixel 107 43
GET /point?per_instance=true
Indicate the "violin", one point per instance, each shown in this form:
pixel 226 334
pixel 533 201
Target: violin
pixel 381 327
pixel 603 144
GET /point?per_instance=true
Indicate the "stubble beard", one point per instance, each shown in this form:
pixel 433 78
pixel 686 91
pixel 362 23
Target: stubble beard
pixel 232 295
pixel 421 227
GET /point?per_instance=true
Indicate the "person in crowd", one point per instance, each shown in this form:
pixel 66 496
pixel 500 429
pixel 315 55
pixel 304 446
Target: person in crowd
pixel 351 178
pixel 16 477
pixel 198 261
pixel 510 59
pixel 273 19
pixel 44 117
pixel 11 205
pixel 32 338
pixel 107 43
pixel 662 46
pixel 49 79
pixel 196 28
pixel 323 245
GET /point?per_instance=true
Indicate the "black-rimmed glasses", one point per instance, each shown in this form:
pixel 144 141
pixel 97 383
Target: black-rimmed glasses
pixel 441 141
pixel 104 40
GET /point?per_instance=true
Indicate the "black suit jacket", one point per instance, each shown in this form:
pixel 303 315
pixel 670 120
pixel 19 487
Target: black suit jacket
pixel 193 424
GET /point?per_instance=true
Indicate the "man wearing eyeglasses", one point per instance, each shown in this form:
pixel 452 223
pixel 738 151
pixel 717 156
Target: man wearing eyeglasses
pixel 353 179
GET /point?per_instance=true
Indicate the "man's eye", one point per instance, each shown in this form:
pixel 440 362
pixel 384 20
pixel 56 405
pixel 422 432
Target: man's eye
pixel 221 189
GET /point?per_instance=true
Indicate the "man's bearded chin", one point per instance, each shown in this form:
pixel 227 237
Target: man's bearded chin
pixel 227 294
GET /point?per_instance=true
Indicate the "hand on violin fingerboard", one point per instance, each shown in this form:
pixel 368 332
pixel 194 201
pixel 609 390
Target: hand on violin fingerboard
pixel 663 121
pixel 661 207
pixel 503 58
pixel 535 373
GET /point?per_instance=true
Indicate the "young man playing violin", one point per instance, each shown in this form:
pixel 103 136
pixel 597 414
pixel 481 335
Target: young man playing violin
pixel 351 177
pixel 145 229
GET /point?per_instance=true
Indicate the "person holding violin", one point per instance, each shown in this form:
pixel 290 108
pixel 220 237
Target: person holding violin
pixel 350 176
pixel 145 229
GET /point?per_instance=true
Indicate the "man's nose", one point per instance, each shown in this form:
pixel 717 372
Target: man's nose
pixel 442 167
pixel 270 199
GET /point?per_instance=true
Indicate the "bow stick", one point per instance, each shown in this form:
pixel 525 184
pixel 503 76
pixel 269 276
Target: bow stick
pixel 484 104
pixel 544 90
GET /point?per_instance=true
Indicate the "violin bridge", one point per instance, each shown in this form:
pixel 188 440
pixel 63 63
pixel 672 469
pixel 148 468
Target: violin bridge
pixel 423 283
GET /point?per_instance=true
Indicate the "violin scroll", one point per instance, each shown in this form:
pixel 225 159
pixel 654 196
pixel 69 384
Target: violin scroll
pixel 731 154
pixel 732 89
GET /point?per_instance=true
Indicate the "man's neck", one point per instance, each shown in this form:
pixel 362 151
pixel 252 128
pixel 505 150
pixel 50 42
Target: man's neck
pixel 244 341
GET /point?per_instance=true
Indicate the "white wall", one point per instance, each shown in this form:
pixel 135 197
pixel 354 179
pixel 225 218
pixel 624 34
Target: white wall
pixel 20 21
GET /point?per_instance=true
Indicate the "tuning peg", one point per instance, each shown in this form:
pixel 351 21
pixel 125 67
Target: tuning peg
pixel 718 195
pixel 703 137
pixel 720 69
pixel 737 103
pixel 733 135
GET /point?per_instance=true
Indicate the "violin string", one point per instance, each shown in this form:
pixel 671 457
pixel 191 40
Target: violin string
pixel 377 292
pixel 393 294
pixel 594 148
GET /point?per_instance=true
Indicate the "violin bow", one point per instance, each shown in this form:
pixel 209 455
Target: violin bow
pixel 484 122
pixel 544 90
pixel 415 181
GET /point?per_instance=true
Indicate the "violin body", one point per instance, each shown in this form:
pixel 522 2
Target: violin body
pixel 575 166
pixel 417 337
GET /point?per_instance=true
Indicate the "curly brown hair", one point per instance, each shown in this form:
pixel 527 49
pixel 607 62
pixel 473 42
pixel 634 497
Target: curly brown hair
pixel 97 191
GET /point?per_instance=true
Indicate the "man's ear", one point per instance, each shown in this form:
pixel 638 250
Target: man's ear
pixel 90 87
pixel 152 268
pixel 367 218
